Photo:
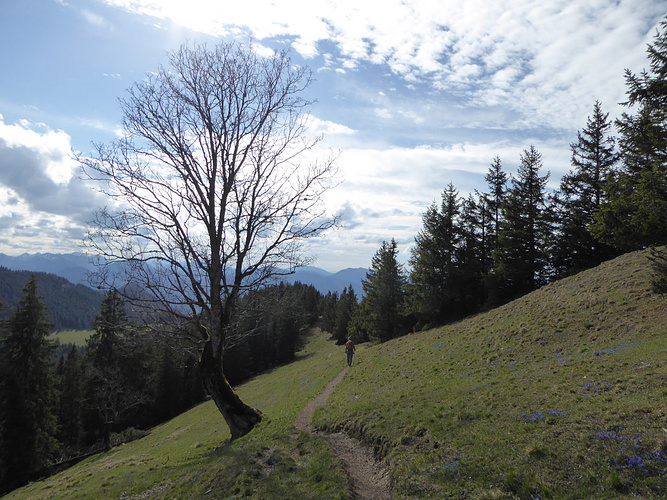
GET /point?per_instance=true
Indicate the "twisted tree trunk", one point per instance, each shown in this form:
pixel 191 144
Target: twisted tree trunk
pixel 240 417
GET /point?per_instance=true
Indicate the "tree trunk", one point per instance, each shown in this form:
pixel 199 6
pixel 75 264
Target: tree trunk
pixel 106 432
pixel 240 417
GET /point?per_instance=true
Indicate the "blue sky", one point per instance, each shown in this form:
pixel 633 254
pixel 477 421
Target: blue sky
pixel 414 94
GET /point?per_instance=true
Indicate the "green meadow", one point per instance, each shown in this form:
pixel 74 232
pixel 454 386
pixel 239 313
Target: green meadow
pixel 191 456
pixel 76 337
pixel 561 394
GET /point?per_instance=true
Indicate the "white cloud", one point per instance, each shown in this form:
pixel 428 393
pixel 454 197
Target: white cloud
pixel 416 93
pixel 94 19
pixel 318 127
pixel 53 147
pixel 43 204
pixel 385 193
pixel 527 56
pixel 262 50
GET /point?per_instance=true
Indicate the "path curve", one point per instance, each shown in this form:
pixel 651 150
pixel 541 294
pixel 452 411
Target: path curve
pixel 369 480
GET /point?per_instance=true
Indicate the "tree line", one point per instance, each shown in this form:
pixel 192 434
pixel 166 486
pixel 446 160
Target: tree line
pixel 60 403
pixel 488 248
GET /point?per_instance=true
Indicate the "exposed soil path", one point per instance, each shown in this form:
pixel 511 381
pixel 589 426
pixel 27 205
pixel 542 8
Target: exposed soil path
pixel 369 480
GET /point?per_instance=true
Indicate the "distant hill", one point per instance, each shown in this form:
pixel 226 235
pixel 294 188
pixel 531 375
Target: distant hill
pixel 72 307
pixel 326 282
pixel 75 267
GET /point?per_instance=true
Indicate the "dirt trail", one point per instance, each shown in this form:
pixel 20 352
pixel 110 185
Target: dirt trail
pixel 369 480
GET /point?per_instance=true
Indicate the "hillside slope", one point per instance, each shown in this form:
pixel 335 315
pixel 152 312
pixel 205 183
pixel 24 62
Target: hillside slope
pixel 191 456
pixel 561 394
pixel 71 307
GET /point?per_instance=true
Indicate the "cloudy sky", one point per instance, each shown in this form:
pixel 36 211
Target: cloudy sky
pixel 415 94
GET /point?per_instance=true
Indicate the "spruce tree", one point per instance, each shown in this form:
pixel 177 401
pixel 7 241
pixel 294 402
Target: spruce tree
pixel 27 390
pixel 432 289
pixel 636 213
pixel 327 310
pixel 495 200
pixel 473 258
pixel 523 259
pixel 384 289
pixel 110 327
pixel 496 180
pixel 344 311
pixel 71 390
pixel 115 372
pixel 582 193
pixel 168 387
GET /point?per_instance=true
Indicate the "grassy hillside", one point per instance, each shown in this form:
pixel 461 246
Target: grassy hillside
pixel 190 456
pixel 561 394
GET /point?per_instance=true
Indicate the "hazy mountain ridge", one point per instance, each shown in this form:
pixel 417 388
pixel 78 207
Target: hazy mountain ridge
pixel 325 281
pixel 73 267
pixel 76 267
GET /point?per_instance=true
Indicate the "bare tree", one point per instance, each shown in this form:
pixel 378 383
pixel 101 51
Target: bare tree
pixel 212 197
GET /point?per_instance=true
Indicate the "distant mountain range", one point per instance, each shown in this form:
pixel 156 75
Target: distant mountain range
pixel 75 267
pixel 325 281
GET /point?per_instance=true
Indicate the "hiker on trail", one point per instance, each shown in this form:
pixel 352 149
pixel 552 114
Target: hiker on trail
pixel 349 349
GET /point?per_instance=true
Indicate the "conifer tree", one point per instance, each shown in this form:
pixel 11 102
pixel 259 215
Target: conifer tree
pixel 496 180
pixel 472 256
pixel 495 199
pixel 72 393
pixel 327 310
pixel 384 289
pixel 27 390
pixel 582 193
pixel 110 326
pixel 345 308
pixel 432 290
pixel 168 387
pixel 523 259
pixel 115 375
pixel 636 214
